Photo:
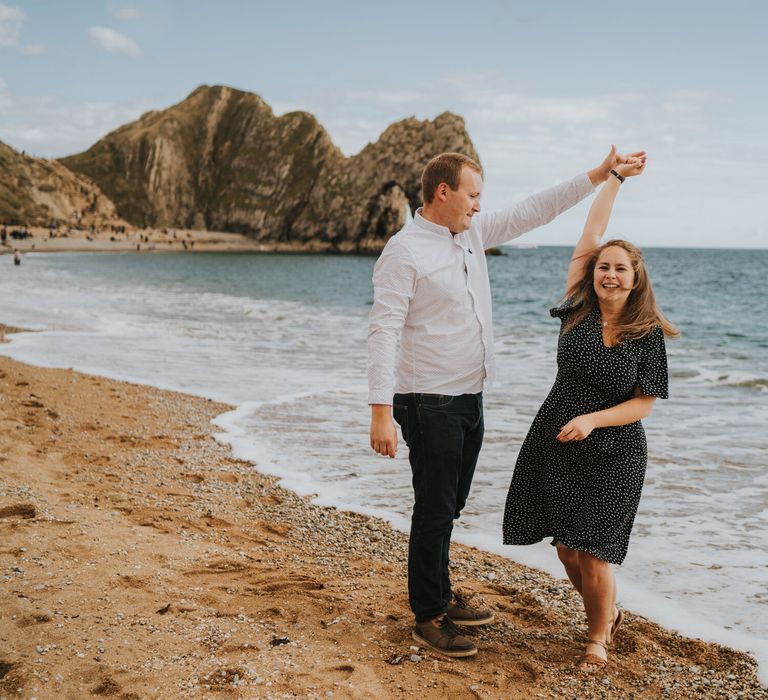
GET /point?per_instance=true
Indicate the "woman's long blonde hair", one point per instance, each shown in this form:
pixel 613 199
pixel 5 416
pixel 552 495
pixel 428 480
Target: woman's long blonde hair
pixel 640 314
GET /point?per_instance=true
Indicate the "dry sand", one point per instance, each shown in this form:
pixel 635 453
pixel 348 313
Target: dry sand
pixel 138 559
pixel 148 241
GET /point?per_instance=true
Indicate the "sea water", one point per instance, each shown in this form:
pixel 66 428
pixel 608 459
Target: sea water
pixel 283 339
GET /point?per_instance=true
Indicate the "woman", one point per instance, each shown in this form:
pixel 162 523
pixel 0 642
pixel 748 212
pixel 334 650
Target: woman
pixel 580 470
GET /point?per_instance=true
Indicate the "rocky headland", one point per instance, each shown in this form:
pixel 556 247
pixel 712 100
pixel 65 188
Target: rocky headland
pixel 221 160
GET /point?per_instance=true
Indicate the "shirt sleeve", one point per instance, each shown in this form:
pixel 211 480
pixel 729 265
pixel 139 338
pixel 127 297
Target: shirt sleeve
pixel 502 226
pixel 652 376
pixel 394 283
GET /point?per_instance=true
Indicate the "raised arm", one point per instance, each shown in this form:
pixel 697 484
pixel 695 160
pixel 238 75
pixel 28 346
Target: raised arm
pixel 502 226
pixel 600 214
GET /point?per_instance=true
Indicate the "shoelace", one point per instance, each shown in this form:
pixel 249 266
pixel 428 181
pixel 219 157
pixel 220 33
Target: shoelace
pixel 449 627
pixel 460 601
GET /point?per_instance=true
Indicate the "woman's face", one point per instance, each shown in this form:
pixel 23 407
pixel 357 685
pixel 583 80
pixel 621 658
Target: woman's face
pixel 614 277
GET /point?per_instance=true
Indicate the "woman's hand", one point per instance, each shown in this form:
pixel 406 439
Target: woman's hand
pixel 577 429
pixel 614 159
pixel 633 166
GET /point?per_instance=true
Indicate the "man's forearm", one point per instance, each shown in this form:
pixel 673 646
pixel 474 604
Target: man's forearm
pixel 383 338
pixel 534 211
pixel 598 175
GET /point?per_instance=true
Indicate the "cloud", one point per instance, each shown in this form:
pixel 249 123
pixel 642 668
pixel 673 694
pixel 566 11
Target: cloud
pixel 126 13
pixel 52 127
pixel 33 49
pixel 388 97
pixel 114 42
pixel 6 100
pixel 12 19
pixel 528 140
pixel 517 108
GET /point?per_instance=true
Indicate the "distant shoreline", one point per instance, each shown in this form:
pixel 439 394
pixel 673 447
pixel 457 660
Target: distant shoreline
pixel 164 240
pixel 177 240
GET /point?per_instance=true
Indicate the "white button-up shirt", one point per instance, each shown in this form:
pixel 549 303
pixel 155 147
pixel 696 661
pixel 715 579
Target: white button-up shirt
pixel 431 293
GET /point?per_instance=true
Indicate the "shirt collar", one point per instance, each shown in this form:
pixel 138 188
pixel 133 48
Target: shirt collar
pixel 421 222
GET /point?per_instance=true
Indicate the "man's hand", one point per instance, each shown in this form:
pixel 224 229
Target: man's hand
pixel 613 159
pixel 383 431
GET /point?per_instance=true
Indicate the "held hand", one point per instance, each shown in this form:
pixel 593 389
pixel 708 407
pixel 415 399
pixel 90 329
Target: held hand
pixel 614 159
pixel 384 436
pixel 626 158
pixel 577 429
pixel 633 167
pixel 609 162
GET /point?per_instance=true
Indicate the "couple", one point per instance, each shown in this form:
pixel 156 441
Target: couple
pixel 430 357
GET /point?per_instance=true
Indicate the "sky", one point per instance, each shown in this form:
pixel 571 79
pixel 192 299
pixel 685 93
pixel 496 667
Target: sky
pixel 544 86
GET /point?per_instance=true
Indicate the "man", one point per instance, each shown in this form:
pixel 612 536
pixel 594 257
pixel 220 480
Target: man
pixel 432 297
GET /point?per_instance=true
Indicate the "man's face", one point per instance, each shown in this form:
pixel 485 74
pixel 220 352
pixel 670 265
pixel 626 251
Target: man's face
pixel 459 206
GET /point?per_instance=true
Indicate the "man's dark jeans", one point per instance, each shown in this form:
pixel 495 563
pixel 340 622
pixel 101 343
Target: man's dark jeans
pixel 444 435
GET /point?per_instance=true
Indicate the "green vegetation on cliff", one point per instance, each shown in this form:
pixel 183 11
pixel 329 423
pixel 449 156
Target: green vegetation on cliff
pixel 34 192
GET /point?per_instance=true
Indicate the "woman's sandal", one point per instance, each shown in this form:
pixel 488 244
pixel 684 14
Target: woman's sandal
pixel 615 625
pixel 598 662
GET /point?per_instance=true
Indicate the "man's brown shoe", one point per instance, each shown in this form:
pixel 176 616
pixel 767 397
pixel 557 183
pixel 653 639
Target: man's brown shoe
pixel 466 616
pixel 443 636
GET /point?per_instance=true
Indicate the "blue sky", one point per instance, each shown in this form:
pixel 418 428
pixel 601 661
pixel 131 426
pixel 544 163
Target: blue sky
pixel 544 86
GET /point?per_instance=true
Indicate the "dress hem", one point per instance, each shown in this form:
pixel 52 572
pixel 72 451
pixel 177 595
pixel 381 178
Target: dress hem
pixel 562 541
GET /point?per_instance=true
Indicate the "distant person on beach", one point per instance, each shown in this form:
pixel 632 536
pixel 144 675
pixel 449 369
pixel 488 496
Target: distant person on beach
pixel 16 256
pixel 432 296
pixel 580 470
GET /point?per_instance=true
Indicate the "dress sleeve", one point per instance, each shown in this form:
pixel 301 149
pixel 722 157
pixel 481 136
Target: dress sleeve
pixel 563 310
pixel 652 375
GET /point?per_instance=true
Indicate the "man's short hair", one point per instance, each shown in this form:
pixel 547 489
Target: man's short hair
pixel 444 168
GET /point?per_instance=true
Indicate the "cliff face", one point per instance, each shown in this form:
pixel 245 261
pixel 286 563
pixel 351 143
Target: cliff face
pixel 35 191
pixel 361 201
pixel 222 160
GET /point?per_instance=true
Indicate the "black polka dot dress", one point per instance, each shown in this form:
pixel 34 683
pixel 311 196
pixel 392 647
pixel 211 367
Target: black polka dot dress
pixel 584 494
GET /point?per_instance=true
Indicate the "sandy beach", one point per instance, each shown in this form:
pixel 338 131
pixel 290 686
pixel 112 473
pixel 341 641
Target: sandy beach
pixel 135 240
pixel 138 559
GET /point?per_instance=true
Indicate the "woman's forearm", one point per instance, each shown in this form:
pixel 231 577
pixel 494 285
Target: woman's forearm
pixel 627 412
pixel 630 411
pixel 600 211
pixel 594 228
